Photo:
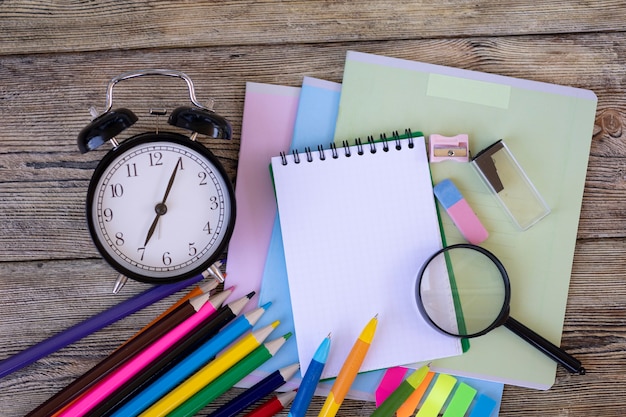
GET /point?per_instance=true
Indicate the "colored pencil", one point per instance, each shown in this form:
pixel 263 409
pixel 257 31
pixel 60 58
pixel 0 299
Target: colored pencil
pixel 118 357
pixel 92 324
pixel 204 288
pixel 209 372
pixel 273 406
pixel 349 370
pixel 190 364
pixel 401 394
pixel 310 380
pixel 206 330
pixel 108 385
pixel 229 378
pixel 259 390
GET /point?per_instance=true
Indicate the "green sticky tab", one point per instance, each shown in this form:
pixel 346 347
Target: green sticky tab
pixel 460 402
pixel 438 395
pixel 416 378
pixel 469 91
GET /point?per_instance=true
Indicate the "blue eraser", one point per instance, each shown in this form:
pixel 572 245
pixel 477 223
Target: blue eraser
pixel 447 193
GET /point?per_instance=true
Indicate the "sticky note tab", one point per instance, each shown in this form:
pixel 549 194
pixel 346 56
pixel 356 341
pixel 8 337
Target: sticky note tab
pixel 438 395
pixel 483 407
pixel 391 380
pixel 461 400
pixel 460 212
pixel 469 91
pixel 408 408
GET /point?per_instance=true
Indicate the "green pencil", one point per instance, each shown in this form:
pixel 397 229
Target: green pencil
pixel 229 378
pixel 401 394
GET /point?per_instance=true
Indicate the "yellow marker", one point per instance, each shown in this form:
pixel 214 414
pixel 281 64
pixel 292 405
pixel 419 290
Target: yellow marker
pixel 349 370
pixel 209 372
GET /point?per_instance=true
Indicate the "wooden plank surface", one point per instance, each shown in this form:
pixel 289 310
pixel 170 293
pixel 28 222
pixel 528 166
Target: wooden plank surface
pixel 32 26
pixel 57 57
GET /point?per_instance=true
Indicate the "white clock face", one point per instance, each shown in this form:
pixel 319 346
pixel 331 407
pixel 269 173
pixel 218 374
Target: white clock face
pixel 160 210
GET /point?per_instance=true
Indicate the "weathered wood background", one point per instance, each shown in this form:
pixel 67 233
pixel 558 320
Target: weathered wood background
pixel 57 56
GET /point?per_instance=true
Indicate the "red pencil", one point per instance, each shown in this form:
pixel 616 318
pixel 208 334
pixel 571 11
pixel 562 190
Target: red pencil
pixel 273 406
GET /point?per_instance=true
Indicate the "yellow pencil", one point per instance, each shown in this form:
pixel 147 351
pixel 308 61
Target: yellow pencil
pixel 349 370
pixel 209 372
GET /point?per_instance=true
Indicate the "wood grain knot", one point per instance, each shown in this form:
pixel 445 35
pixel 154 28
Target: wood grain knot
pixel 611 123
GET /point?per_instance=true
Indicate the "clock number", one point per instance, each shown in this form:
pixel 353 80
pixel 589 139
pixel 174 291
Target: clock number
pixel 214 203
pixel 207 228
pixel 166 259
pixel 192 249
pixel 155 159
pixel 142 251
pixel 108 214
pixel 202 176
pixel 116 190
pixel 131 170
pixel 119 238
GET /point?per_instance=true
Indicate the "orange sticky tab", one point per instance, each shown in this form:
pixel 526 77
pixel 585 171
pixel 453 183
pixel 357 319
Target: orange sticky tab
pixel 410 405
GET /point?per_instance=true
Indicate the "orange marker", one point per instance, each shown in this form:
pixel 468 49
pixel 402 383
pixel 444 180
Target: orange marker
pixel 349 370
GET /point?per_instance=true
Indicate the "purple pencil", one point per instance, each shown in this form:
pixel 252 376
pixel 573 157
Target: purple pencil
pixel 92 324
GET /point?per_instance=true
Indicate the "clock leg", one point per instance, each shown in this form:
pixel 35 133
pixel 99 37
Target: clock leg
pixel 119 283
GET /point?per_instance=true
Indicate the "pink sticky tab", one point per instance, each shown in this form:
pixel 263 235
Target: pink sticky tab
pixel 391 380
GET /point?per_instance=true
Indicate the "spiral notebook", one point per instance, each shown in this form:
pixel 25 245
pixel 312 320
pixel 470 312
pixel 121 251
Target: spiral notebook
pixel 357 222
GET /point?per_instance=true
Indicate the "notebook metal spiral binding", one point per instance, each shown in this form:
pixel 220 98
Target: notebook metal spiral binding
pixel 395 136
pixel 346 148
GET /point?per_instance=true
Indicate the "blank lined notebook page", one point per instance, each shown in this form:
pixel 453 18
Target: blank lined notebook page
pixel 356 230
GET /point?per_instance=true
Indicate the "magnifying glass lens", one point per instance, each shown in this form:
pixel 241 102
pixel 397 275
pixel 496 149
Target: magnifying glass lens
pixel 476 284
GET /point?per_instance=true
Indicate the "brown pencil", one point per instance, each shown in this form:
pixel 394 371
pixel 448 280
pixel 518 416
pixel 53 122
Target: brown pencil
pixel 121 355
pixel 203 288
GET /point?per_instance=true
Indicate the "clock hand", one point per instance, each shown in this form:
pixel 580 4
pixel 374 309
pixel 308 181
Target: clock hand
pixel 152 227
pixel 171 181
pixel 161 208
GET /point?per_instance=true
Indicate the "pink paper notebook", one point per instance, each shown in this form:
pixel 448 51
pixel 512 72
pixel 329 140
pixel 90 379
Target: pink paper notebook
pixel 268 116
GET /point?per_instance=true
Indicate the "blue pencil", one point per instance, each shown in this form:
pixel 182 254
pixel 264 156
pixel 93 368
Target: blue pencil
pixel 92 324
pixel 310 380
pixel 190 364
pixel 256 392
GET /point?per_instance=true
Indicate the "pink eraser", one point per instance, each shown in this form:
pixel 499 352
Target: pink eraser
pixel 460 212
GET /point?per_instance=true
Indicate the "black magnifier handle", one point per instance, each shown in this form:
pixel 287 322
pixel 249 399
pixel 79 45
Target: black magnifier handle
pixel 560 356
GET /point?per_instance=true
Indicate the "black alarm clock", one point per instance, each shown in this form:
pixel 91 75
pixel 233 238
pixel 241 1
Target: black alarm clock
pixel 160 206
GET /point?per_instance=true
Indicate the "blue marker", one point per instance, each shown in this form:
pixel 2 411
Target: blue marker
pixel 190 364
pixel 310 380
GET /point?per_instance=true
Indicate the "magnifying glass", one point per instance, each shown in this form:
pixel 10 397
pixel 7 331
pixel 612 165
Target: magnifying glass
pixel 481 292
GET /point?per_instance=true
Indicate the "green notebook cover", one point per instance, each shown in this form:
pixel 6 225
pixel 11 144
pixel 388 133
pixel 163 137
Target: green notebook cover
pixel 548 128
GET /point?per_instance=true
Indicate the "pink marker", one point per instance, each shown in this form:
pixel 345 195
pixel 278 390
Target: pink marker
pixel 460 212
pixel 107 386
